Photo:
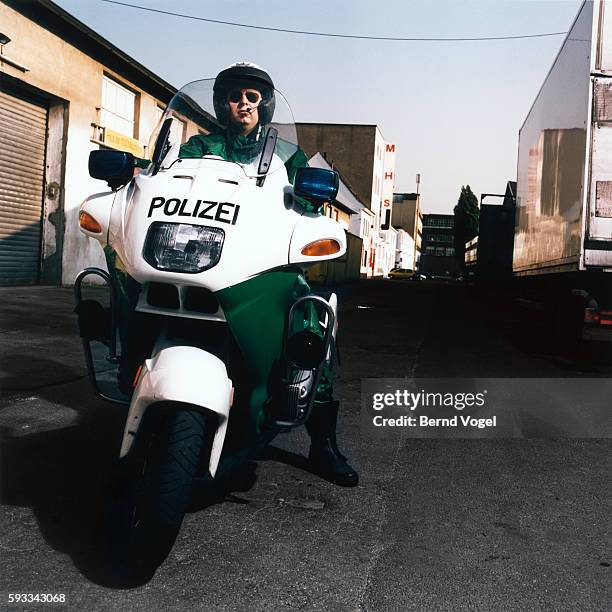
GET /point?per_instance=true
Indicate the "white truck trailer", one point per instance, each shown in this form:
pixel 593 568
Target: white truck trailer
pixel 563 224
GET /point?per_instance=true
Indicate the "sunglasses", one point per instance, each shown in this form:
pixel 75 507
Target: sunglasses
pixel 252 95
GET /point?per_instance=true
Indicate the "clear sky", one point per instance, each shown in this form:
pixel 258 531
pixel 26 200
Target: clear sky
pixel 452 108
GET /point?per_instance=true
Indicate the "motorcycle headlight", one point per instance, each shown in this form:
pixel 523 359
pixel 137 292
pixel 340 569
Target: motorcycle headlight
pixel 178 247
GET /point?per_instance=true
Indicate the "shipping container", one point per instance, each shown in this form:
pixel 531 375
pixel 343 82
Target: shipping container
pixel 562 256
pixel 564 193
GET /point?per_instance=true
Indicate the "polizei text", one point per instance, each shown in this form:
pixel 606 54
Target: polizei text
pixel 225 212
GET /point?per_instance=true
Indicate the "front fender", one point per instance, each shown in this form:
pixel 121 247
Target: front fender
pixel 184 374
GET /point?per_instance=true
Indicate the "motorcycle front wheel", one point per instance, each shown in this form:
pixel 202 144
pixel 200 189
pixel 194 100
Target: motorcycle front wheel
pixel 152 487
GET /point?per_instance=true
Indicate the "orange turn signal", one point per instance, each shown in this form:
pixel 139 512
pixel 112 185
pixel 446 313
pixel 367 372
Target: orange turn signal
pixel 319 248
pixel 87 222
pixel 137 377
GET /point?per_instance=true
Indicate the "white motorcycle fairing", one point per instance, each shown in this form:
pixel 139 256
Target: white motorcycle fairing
pixel 258 222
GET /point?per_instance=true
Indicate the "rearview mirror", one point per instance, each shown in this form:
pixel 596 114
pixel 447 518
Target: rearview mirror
pixel 114 167
pixel 317 185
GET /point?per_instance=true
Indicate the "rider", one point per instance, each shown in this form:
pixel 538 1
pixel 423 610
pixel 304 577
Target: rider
pixel 243 98
pixel 244 101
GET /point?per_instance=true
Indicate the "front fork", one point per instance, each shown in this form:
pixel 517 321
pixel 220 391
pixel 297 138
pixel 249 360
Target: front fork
pixel 301 383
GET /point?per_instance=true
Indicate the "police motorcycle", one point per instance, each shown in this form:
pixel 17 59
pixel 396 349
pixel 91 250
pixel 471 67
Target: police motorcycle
pixel 233 355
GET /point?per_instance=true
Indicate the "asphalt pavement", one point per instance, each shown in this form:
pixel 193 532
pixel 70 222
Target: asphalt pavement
pixel 435 524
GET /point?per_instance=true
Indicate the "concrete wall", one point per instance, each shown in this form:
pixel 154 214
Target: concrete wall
pixel 385 254
pixel 407 216
pixel 71 81
pixel 405 255
pixel 378 176
pixel 351 147
pixel 404 213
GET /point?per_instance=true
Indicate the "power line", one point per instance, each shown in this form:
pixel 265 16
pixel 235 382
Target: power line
pixel 395 38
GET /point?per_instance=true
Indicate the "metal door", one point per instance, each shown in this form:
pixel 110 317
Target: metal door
pixel 23 132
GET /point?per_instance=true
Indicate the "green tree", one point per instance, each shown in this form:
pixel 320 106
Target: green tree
pixel 467 215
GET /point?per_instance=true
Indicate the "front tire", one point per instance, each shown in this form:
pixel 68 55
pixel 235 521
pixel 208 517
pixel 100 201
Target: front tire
pixel 152 489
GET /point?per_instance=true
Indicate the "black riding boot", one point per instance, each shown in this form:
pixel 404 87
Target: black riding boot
pixel 324 455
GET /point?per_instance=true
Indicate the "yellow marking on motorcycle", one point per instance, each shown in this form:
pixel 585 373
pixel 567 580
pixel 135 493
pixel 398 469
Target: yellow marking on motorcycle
pixel 224 212
pixel 136 378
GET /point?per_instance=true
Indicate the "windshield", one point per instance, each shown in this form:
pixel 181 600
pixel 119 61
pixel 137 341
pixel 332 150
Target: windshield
pixel 234 127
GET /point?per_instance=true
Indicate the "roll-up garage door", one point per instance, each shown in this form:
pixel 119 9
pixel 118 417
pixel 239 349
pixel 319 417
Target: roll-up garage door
pixel 23 129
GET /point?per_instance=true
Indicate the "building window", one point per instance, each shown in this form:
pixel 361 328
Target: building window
pixel 118 107
pixel 437 222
